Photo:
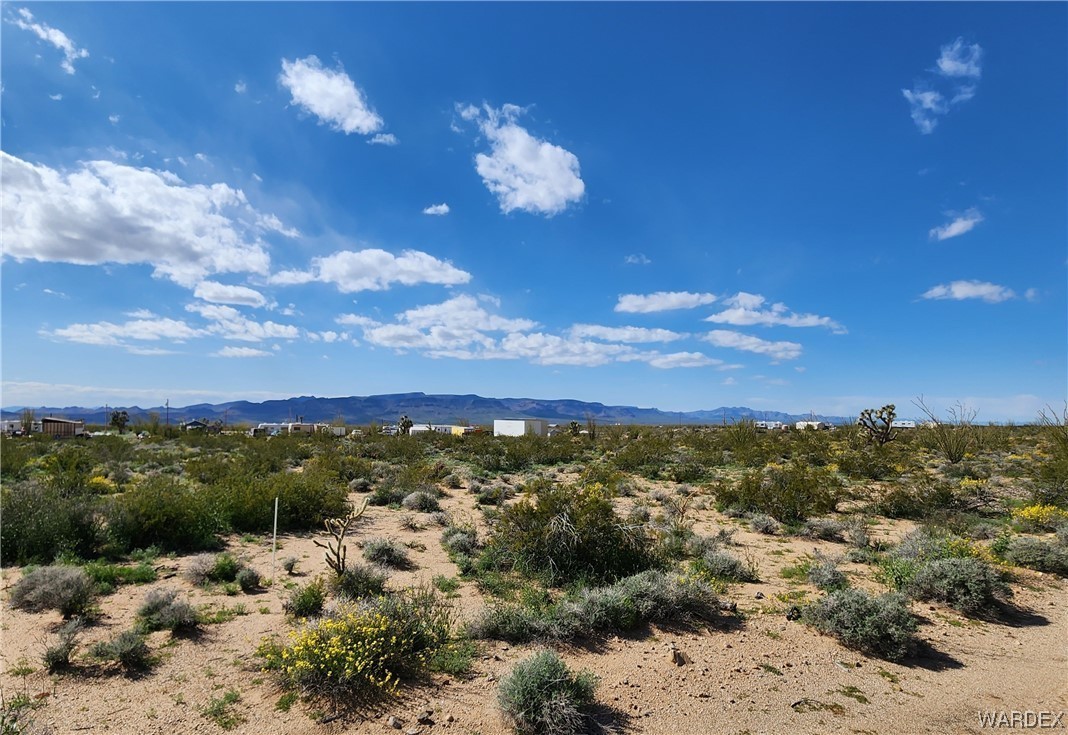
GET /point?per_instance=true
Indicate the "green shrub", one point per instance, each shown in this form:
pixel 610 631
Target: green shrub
pixel 161 610
pixel 41 523
pixel 1036 554
pixel 565 534
pixel 67 589
pixel 726 567
pixel 245 500
pixel 128 649
pixel 109 576
pixel 224 568
pixel 897 572
pixel 824 574
pixel 56 657
pixel 248 579
pixel 163 511
pixel 826 529
pixel 307 601
pixel 358 581
pixel 763 523
pixel 387 553
pixel 460 540
pixel 881 626
pixel 543 697
pixel 422 501
pixel 788 493
pixel 289 564
pixel 916 501
pixel 969 585
pixel 387 495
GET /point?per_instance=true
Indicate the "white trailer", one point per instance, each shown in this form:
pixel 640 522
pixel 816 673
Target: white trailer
pixel 520 427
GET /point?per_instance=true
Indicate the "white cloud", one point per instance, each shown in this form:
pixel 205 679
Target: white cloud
pixel 228 323
pixel 110 213
pixel 463 312
pixel 637 259
pixel 729 381
pixel 356 320
pixel 115 335
pixel 375 270
pixel 960 224
pixel 680 360
pixel 57 294
pixel 960 60
pixel 748 343
pixel 55 97
pixel 240 87
pixel 550 349
pixel 330 95
pixel 230 351
pixel 963 94
pixel 387 139
pixel 624 334
pixel 220 293
pixel 662 301
pixel 203 158
pixel 524 172
pixel 925 105
pixel 745 311
pixel 437 209
pixel 961 290
pixel 114 120
pixel 71 53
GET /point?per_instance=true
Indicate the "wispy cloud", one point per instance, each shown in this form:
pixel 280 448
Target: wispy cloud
pixel 374 270
pixel 958 226
pixel 220 293
pixel 662 301
pixel 240 87
pixel 24 19
pixel 637 259
pixel 330 95
pixel 437 209
pixel 962 290
pixel 748 309
pixel 748 343
pixel 524 172
pixel 957 72
pixel 230 351
pixel 625 334
pixel 386 139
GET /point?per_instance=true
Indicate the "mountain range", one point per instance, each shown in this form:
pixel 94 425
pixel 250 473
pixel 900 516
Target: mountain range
pixel 421 408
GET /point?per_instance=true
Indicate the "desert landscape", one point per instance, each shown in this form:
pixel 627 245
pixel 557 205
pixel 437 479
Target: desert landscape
pixel 681 579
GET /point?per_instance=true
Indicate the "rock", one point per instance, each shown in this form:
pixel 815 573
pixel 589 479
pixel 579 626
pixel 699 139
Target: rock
pixel 679 658
pixel 394 722
pixel 413 731
pixel 728 605
pixel 425 717
pixel 450 718
pixel 759 595
pixel 793 612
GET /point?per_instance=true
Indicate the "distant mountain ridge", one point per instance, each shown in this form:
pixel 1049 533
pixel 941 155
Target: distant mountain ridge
pixel 422 409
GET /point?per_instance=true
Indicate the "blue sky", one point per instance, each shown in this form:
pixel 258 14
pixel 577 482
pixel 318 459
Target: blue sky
pixel 785 206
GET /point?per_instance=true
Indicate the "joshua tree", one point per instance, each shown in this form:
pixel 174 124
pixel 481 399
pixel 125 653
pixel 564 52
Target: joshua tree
pixel 879 425
pixel 119 419
pixel 405 424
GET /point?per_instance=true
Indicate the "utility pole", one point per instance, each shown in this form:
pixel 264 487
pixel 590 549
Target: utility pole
pixel 168 404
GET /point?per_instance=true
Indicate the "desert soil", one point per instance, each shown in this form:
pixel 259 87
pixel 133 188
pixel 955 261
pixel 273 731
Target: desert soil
pixel 754 673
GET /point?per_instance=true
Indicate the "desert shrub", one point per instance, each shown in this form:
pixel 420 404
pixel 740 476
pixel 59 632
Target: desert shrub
pixel 543 697
pixel 307 601
pixel 224 568
pixel 387 495
pixel 788 493
pixel 825 529
pixel 386 552
pixel 67 589
pixel 360 485
pixel 916 501
pixel 422 501
pixel 1062 535
pixel 289 564
pixel 163 511
pixel 726 567
pixel 1040 517
pixel 128 649
pixel 57 656
pixel 493 494
pixel 358 581
pixel 763 523
pixel 363 648
pixel 39 523
pixel 881 626
pixel 460 540
pixel 969 585
pixel 1037 554
pixel 824 574
pixel 248 579
pixel 564 534
pixel 162 610
pixel 244 499
pixel 109 576
pixel 951 438
pixel 199 567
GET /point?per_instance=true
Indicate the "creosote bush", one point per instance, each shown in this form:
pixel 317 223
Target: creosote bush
pixel 67 589
pixel 880 626
pixel 543 697
pixel 789 493
pixel 307 601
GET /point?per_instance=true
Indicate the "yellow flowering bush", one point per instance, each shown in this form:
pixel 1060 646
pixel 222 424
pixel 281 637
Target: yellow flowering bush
pixel 101 485
pixel 362 648
pixel 1040 517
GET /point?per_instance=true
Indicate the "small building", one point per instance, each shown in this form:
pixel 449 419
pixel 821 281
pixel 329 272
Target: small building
pixel 10 426
pixel 900 424
pixel 520 427
pixel 62 428
pixel 194 425
pixel 768 425
pixel 816 425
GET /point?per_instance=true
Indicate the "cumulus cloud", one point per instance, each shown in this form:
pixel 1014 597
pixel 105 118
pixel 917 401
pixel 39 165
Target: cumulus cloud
pixel 624 334
pixel 960 60
pixel 961 290
pixel 958 226
pixel 240 87
pixel 437 209
pixel 24 19
pixel 386 139
pixel 748 343
pixel 746 309
pixel 637 259
pixel 523 171
pixel 662 301
pixel 330 95
pixel 957 72
pixel 374 270
pixel 219 293
pixel 230 351
pixel 116 335
pixel 463 312
pixel 682 360
pixel 228 323
pixel 551 349
pixel 105 212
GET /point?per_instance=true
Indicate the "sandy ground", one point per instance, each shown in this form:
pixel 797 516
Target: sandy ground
pixel 757 673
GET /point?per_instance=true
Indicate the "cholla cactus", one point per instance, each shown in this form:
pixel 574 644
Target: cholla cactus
pixel 336 551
